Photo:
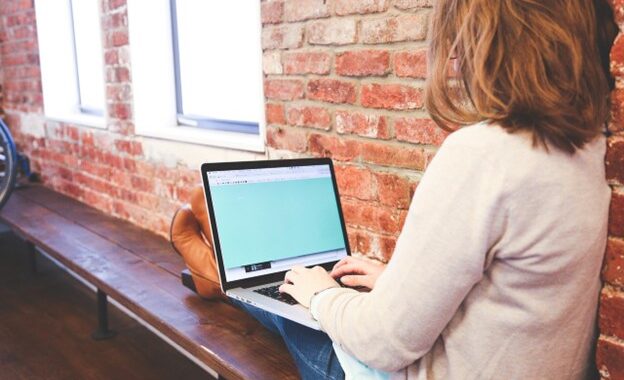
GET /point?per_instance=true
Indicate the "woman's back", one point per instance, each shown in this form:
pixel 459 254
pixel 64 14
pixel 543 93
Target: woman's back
pixel 496 272
pixel 532 314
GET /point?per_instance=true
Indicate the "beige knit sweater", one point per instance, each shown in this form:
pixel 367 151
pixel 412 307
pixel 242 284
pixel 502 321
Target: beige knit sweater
pixel 496 272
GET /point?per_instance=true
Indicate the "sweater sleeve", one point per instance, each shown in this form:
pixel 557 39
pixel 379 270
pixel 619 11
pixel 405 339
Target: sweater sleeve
pixel 455 218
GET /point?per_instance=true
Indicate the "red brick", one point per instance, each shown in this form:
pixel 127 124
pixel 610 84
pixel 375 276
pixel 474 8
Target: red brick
pixel 128 146
pixel 99 201
pixel 120 93
pixel 419 131
pixel 113 160
pixel 410 27
pixel 140 183
pixel 67 187
pixel 393 155
pixel 356 182
pixel 411 4
pixel 616 215
pixel 617 110
pixel 359 241
pixel 367 125
pixel 119 38
pixel 130 165
pixel 610 359
pixel 122 126
pixel 283 89
pixel 613 270
pixel 122 74
pixel 612 313
pixel 275 114
pixel 375 218
pixel 128 196
pixel 332 32
pixel 282 37
pixel 121 111
pixel 306 63
pixel 291 139
pixel 617 56
pixel 271 12
pixel 72 132
pixel 411 64
pixel 272 62
pixel 391 96
pixel 299 10
pixel 331 146
pixel 95 169
pixel 386 247
pixel 189 177
pixel 183 193
pixel 115 21
pixel 315 117
pixel 95 183
pixel 363 63
pixel 331 90
pixel 618 7
pixel 394 190
pixel 114 4
pixel 349 7
pixel 615 159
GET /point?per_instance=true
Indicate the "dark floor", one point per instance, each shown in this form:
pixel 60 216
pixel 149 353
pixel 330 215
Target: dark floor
pixel 46 321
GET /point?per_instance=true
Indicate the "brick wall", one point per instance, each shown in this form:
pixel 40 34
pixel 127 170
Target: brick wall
pixel 610 350
pixel 104 168
pixel 344 79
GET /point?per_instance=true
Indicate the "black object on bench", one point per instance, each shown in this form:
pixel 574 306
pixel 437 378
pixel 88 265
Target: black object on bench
pixel 187 280
pixel 139 270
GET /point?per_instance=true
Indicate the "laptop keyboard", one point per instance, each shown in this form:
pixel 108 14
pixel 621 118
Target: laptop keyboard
pixel 273 292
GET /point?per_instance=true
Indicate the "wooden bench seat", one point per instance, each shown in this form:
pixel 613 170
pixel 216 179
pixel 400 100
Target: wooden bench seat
pixel 140 271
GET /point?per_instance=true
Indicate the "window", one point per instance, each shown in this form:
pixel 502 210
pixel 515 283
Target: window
pixel 72 67
pixel 197 71
pixel 214 43
pixel 88 55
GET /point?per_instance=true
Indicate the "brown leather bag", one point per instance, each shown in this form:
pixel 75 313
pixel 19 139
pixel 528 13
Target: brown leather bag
pixel 190 236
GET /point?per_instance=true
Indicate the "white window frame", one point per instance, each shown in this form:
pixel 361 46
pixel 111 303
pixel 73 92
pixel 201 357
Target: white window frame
pixel 154 83
pixel 59 72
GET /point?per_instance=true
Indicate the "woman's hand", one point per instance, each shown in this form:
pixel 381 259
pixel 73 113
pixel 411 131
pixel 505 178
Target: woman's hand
pixel 302 283
pixel 354 272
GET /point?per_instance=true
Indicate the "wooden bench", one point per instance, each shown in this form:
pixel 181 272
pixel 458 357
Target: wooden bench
pixel 140 271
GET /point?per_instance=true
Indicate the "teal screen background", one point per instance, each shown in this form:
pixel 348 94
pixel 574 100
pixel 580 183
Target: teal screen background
pixel 269 221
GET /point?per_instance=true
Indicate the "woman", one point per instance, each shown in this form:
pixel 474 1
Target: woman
pixel 496 271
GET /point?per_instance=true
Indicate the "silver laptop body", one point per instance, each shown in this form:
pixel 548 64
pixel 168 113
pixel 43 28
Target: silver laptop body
pixel 268 216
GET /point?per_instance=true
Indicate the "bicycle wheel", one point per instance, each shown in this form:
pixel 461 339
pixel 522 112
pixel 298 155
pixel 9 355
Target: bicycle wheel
pixel 8 163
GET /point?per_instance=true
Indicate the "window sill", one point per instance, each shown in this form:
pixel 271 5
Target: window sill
pixel 80 119
pixel 221 139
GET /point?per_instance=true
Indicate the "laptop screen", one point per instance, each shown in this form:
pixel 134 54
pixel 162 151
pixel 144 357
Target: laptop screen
pixel 270 219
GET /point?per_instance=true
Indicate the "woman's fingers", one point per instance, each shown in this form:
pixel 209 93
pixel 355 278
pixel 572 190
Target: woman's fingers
pixel 354 268
pixel 355 281
pixel 286 288
pixel 290 277
pixel 342 262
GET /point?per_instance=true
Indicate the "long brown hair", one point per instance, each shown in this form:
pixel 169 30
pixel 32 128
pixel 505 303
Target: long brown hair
pixel 527 65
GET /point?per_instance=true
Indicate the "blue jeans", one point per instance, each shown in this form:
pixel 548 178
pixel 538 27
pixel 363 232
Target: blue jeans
pixel 311 349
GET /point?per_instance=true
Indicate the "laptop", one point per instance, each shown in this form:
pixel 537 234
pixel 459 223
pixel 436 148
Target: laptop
pixel 268 216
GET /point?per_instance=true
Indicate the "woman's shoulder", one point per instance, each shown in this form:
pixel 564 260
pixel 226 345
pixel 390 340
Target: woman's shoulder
pixel 488 136
pixel 515 155
pixel 496 140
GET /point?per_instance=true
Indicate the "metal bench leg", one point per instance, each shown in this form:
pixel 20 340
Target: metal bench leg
pixel 102 331
pixel 31 251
